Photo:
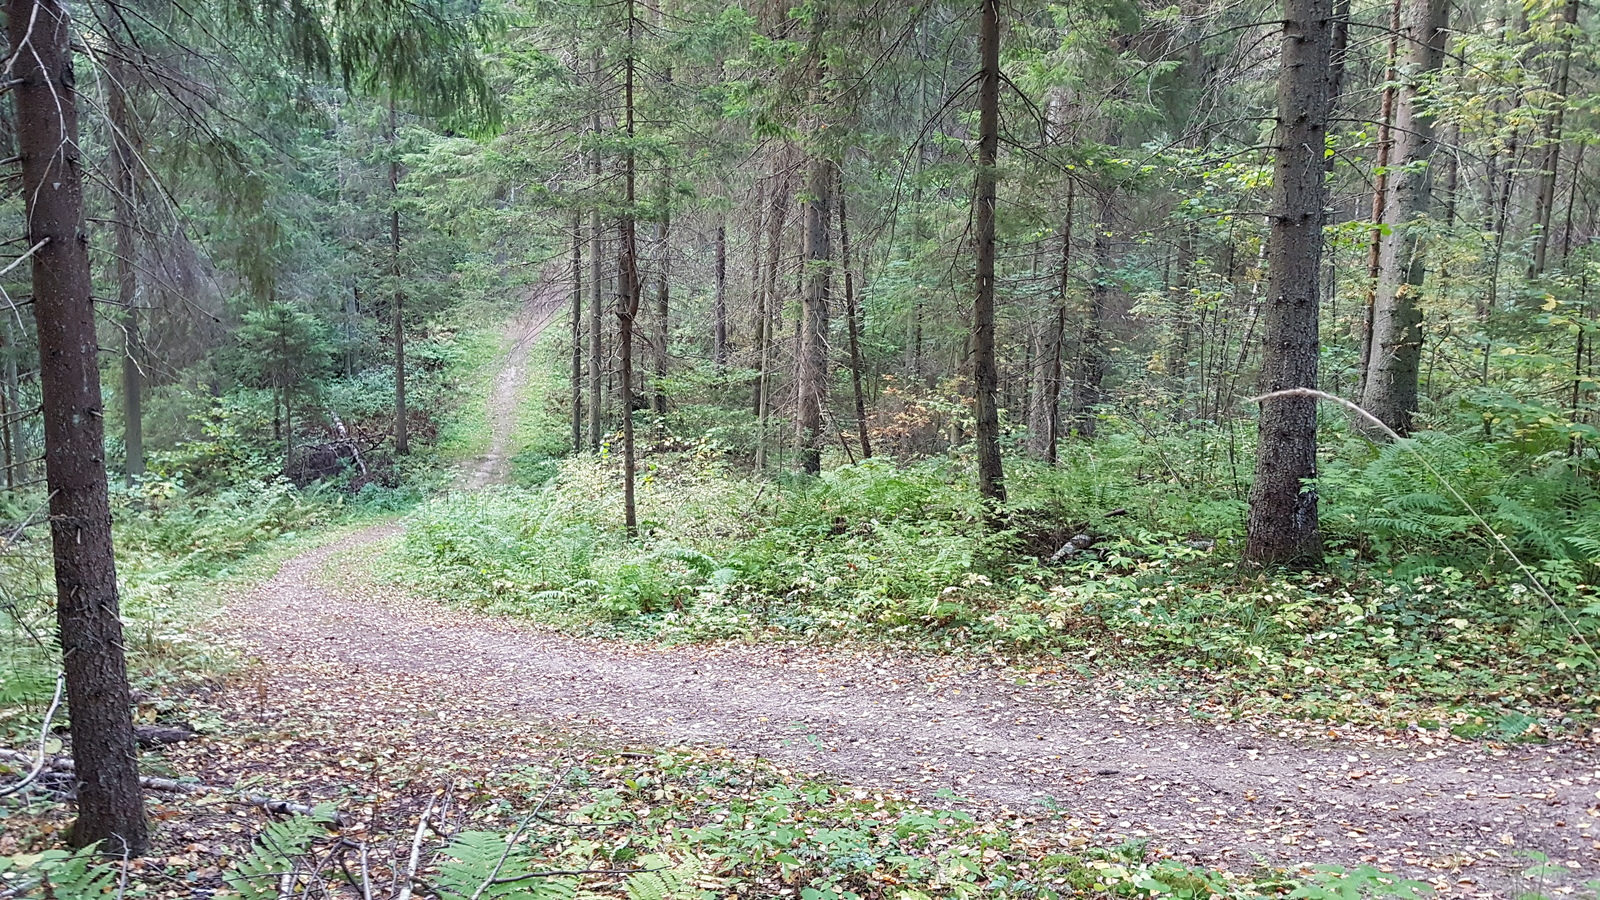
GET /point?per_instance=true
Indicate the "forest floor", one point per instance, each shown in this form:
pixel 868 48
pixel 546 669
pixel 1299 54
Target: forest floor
pixel 374 664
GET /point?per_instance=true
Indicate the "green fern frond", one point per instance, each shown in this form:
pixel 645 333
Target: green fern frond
pixel 275 853
pixel 702 564
pixel 473 858
pixel 663 878
pixel 65 875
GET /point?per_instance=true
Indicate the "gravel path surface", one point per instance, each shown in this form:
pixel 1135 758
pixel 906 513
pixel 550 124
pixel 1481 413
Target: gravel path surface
pixel 1457 814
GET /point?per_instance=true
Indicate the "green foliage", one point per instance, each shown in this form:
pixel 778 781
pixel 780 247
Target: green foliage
pixel 1394 509
pixel 479 859
pixel 59 874
pixel 903 553
pixel 277 851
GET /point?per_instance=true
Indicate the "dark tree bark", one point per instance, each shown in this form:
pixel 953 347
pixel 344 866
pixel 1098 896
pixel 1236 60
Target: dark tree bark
pixel 1283 527
pixel 719 307
pixel 1390 383
pixel 110 807
pixel 816 214
pixel 852 325
pixel 402 428
pixel 628 275
pixel 123 210
pixel 577 333
pixel 985 378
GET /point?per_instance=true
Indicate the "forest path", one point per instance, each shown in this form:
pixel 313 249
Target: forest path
pixel 538 310
pixel 1455 813
pixel 1226 795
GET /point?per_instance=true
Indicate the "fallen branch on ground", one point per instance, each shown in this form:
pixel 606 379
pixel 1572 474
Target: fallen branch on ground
pixel 64 765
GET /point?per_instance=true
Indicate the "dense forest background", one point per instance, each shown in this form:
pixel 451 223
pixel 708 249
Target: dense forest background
pixel 940 323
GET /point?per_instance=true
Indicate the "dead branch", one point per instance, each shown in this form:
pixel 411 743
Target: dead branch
pixel 44 736
pixel 66 766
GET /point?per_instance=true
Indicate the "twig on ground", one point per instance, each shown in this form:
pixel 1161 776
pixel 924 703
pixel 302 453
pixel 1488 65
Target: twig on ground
pixel 416 851
pixel 511 842
pixel 65 765
pixel 44 737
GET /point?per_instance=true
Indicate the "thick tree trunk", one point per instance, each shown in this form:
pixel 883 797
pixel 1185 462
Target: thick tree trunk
pixel 1283 527
pixel 991 477
pixel 1390 384
pixel 816 215
pixel 852 324
pixel 110 807
pixel 719 303
pixel 402 428
pixel 577 333
pixel 1554 127
pixel 1044 413
pixel 628 275
pixel 124 207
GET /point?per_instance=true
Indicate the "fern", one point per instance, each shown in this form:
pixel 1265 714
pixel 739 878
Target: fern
pixel 473 860
pixel 276 853
pixel 65 875
pixel 663 878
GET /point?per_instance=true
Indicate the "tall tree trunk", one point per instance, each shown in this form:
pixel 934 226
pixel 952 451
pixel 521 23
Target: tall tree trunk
pixel 991 477
pixel 852 324
pixel 628 274
pixel 1044 414
pixel 1396 338
pixel 123 210
pixel 597 373
pixel 1552 144
pixel 816 214
pixel 663 293
pixel 110 806
pixel 1088 383
pixel 1380 192
pixel 402 428
pixel 776 218
pixel 577 333
pixel 758 305
pixel 1283 527
pixel 719 303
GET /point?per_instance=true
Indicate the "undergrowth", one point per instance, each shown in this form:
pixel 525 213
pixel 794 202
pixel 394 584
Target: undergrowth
pixel 1396 630
pixel 682 824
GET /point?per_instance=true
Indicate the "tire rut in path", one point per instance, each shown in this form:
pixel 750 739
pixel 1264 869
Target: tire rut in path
pixel 1218 795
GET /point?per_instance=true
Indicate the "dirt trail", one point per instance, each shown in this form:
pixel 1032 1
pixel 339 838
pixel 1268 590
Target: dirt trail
pixel 1457 814
pixel 538 311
